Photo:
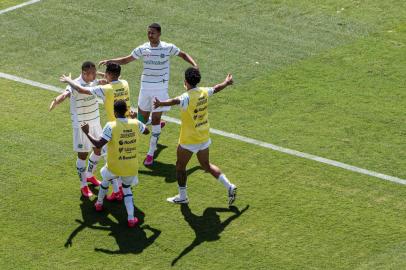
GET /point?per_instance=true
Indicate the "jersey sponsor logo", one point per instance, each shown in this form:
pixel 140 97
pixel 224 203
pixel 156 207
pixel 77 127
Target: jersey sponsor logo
pixel 152 62
pixel 201 124
pixel 127 157
pixel 162 55
pixel 121 142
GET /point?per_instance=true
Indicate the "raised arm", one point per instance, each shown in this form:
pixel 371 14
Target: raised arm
pixel 227 81
pixel 120 60
pixel 187 58
pixel 98 143
pixel 59 99
pixel 75 85
pixel 168 102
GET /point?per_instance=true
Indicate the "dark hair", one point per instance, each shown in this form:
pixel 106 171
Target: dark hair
pixel 155 26
pixel 88 65
pixel 120 107
pixel 114 69
pixel 192 76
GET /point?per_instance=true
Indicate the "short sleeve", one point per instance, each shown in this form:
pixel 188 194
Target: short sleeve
pixel 210 91
pixel 70 91
pixel 107 132
pixel 137 52
pixel 98 91
pixel 184 101
pixel 141 127
pixel 173 50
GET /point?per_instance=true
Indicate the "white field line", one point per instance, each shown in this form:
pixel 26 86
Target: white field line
pixel 241 138
pixel 19 6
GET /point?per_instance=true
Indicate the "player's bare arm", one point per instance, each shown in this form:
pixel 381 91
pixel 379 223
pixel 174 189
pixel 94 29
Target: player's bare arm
pixel 75 85
pixel 169 102
pixel 99 143
pixel 59 99
pixel 227 81
pixel 121 60
pixel 187 58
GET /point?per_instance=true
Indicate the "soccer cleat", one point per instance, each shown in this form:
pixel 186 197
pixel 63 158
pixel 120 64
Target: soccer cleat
pixel 232 194
pixel 132 222
pixel 163 124
pixel 86 192
pixel 148 160
pixel 115 196
pixel 98 206
pixel 178 200
pixel 93 180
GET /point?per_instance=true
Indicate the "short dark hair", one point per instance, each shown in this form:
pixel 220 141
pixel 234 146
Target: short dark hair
pixel 114 69
pixel 88 65
pixel 192 76
pixel 120 107
pixel 155 26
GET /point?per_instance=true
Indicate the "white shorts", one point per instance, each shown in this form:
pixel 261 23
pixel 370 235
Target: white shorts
pixel 80 141
pixel 146 99
pixel 194 148
pixel 127 180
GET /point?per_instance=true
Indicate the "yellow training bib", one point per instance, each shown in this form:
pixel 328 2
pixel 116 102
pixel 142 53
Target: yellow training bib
pixel 195 121
pixel 122 153
pixel 115 91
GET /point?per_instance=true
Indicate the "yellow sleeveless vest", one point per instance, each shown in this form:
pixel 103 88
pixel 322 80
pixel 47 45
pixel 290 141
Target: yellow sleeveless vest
pixel 122 153
pixel 195 122
pixel 113 92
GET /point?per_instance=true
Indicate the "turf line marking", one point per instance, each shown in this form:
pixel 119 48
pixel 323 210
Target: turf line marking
pixel 19 6
pixel 240 138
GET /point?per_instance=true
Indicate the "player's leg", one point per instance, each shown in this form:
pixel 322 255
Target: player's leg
pixel 104 187
pixel 204 159
pixel 81 169
pixel 117 194
pixel 183 157
pixel 156 124
pixel 144 106
pixel 91 166
pixel 128 198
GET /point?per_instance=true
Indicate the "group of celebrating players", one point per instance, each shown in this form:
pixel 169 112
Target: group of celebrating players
pixel 118 140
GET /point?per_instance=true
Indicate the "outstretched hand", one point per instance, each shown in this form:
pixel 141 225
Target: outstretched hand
pixel 85 128
pixel 157 103
pixel 65 78
pixel 229 79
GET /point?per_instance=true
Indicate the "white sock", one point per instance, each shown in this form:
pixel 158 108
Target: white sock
pixel 115 185
pixel 128 201
pixel 182 192
pixel 156 131
pixel 81 168
pixel 92 163
pixel 104 188
pixel 223 179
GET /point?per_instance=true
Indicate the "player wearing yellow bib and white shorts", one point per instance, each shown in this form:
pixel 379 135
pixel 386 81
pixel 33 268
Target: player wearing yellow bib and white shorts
pixel 155 55
pixel 84 108
pixel 121 138
pixel 115 89
pixel 194 132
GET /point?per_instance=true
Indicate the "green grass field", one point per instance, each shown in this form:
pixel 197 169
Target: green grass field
pixel 322 77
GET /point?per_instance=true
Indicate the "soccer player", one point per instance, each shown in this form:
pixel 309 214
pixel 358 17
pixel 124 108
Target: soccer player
pixel 121 137
pixel 194 132
pixel 83 108
pixel 154 79
pixel 115 89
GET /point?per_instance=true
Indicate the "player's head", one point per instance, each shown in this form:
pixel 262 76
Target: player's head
pixel 154 33
pixel 192 77
pixel 120 108
pixel 113 71
pixel 88 71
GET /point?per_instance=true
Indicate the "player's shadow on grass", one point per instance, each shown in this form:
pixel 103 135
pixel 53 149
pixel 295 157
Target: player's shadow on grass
pixel 208 226
pixel 167 171
pixel 129 240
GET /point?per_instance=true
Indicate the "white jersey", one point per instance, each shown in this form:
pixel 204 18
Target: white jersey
pixel 155 75
pixel 83 107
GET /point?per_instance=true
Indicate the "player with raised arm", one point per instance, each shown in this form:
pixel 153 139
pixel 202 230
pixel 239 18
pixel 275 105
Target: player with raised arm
pixel 115 89
pixel 194 132
pixel 83 108
pixel 155 55
pixel 121 137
